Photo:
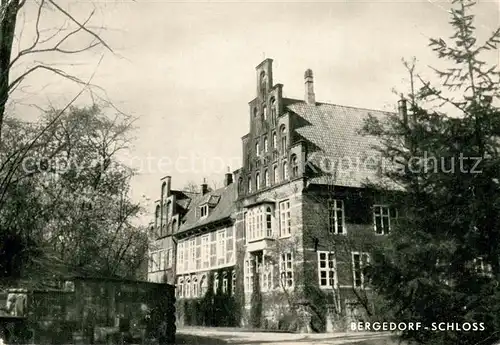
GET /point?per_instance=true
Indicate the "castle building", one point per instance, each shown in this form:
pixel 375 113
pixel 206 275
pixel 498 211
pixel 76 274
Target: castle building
pixel 288 239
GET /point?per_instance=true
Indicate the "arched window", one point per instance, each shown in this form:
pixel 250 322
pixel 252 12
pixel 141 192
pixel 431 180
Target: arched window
pixel 285 171
pixel 263 82
pixel 174 225
pixel 157 216
pixel 187 288
pixel 264 112
pixel 257 149
pixel 295 166
pixel 269 222
pixel 249 184
pixel 257 181
pixel 273 110
pixel 224 283
pixel 233 284
pixel 283 138
pixel 216 283
pixel 276 177
pixel 266 146
pixel 180 288
pixel 275 141
pixel 203 285
pixel 194 286
pixel 266 179
pixel 240 185
pixel 163 186
pixel 255 112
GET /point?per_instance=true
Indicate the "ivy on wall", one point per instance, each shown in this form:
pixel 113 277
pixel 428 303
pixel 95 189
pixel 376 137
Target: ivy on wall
pixel 215 308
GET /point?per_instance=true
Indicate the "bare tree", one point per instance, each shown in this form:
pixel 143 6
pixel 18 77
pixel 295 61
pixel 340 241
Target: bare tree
pixel 72 37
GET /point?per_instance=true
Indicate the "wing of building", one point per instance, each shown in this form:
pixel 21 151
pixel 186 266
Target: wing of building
pixel 291 234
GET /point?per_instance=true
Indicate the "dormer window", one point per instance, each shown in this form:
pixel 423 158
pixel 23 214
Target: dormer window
pixel 203 211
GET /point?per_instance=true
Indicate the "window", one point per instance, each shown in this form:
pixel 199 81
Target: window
pixel 285 221
pixel 264 112
pixel 286 269
pixel 203 285
pixel 327 267
pixel 248 275
pixel 174 225
pixel 275 140
pixel 221 247
pixel 269 222
pixel 216 283
pixel 205 251
pixel 233 284
pixel 273 110
pixel 285 171
pixel 295 166
pixel 230 245
pixel 257 181
pixel 240 185
pixel 213 249
pixel 336 217
pixel 150 266
pixel 267 275
pixel 180 256
pixel 359 262
pixel 203 211
pixel 266 145
pixel 266 178
pixel 249 184
pixel 255 111
pixel 180 287
pixel 194 287
pixel 276 177
pixel 263 83
pixel 382 216
pixel 224 283
pixel 187 288
pixel 168 258
pixel 157 216
pixel 257 149
pixel 156 265
pixel 283 139
pixel 198 252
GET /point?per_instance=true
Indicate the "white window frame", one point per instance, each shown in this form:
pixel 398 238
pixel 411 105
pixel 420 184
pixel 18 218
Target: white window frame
pixel 287 270
pixel 205 251
pixel 329 261
pixel 379 212
pixel 225 283
pixel 266 275
pixel 180 256
pixel 285 219
pixel 364 259
pixel 336 206
pixel 221 247
pixel 248 275
pixel 269 231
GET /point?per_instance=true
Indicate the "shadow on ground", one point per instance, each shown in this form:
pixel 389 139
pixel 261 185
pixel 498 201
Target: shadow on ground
pixel 188 339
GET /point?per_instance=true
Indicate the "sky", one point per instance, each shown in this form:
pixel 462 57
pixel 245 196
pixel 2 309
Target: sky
pixel 186 70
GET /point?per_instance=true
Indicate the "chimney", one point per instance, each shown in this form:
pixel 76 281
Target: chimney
pixel 228 179
pixel 309 83
pixel 204 187
pixel 403 111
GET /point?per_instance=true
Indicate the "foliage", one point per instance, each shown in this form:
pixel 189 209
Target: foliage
pixel 429 270
pixel 66 203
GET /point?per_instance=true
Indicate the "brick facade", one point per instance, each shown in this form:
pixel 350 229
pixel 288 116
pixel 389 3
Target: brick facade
pixel 296 236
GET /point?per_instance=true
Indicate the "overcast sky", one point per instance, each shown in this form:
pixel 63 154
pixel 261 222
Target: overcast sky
pixel 187 70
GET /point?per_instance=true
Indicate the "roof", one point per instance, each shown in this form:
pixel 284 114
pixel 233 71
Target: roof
pixel 221 210
pixel 334 132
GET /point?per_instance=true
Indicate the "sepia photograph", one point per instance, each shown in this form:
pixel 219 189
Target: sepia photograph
pixel 250 172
